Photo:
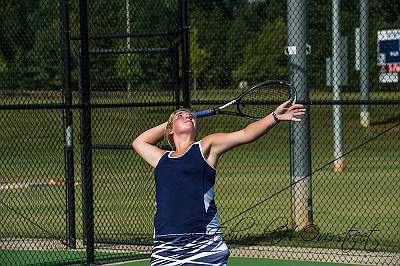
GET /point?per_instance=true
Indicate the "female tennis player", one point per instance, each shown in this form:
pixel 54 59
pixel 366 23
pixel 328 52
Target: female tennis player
pixel 187 229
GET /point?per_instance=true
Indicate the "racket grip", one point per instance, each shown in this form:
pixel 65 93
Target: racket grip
pixel 204 113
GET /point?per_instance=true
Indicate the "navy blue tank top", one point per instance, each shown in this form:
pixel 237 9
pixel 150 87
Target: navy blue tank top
pixel 185 195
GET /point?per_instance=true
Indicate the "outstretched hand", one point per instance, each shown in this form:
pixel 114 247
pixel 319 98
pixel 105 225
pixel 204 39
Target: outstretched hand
pixel 290 111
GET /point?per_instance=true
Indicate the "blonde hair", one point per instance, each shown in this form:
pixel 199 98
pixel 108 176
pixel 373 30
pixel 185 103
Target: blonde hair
pixel 169 137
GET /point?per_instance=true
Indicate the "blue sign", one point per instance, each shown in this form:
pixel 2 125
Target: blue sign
pixel 390 51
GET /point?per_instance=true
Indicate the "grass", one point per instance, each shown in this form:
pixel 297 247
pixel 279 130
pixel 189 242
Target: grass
pixel 53 257
pixel 23 257
pixel 238 261
pixel 365 195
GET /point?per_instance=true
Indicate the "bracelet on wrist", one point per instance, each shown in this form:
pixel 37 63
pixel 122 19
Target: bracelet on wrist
pixel 275 117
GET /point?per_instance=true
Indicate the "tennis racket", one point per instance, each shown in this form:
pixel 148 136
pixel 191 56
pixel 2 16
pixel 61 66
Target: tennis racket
pixel 257 101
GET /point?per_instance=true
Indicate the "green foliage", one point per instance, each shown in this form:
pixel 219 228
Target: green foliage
pixel 154 16
pixel 211 24
pixel 319 29
pixel 230 40
pixel 45 57
pixel 3 66
pixel 15 31
pixel 199 57
pixel 263 55
pixel 128 68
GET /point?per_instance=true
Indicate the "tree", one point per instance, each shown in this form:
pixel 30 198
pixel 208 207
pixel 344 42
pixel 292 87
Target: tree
pixel 212 26
pixel 17 38
pixel 3 67
pixel 46 55
pixel 248 23
pixel 199 57
pixel 264 56
pixel 129 69
pixel 320 39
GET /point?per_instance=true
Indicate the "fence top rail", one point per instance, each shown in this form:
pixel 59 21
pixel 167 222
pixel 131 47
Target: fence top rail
pixel 194 102
pixel 315 102
pixel 133 34
pixel 60 106
pixel 129 50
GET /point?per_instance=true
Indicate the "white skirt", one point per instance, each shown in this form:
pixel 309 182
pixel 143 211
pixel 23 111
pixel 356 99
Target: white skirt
pixel 189 250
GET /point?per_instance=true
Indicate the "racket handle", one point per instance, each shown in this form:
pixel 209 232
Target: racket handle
pixel 204 113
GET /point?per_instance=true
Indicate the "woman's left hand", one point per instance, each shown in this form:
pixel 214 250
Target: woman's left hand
pixel 289 111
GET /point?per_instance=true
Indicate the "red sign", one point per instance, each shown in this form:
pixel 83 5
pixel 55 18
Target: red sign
pixel 392 68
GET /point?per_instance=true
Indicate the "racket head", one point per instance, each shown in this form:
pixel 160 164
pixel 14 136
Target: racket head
pixel 263 98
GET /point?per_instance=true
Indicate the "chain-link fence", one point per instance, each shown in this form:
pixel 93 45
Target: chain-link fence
pixel 76 88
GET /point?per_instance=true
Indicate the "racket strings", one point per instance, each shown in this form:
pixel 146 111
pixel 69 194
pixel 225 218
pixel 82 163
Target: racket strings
pixel 262 100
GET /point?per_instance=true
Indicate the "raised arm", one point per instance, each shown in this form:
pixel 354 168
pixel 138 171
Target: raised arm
pixel 216 144
pixel 145 143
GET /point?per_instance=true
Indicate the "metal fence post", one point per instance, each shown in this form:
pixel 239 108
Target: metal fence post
pixel 86 138
pixel 364 114
pixel 128 39
pixel 69 145
pixel 302 215
pixel 175 73
pixel 339 164
pixel 183 8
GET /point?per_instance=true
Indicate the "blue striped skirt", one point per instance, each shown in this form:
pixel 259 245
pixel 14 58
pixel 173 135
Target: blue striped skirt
pixel 189 250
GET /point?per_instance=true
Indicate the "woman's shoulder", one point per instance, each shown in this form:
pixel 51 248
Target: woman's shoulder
pixel 164 154
pixel 204 146
pixel 206 142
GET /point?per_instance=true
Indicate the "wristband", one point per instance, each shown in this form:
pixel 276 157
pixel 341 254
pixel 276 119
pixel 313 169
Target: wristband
pixel 275 117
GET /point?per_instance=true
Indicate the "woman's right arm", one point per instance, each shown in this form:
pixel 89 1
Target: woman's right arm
pixel 145 143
